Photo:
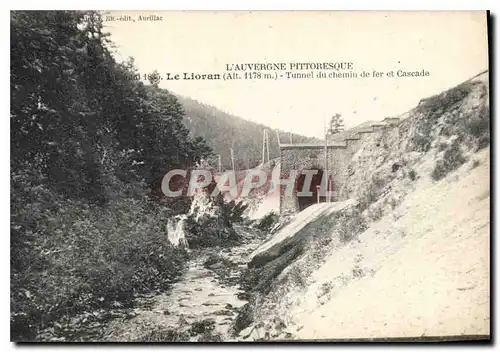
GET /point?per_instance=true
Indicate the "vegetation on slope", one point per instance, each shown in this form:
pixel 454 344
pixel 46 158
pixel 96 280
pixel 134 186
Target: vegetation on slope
pixel 89 149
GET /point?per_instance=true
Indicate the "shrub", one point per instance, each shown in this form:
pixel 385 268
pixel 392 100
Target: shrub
pixel 210 231
pixel 211 337
pixel 324 289
pixel 376 214
pixel 268 221
pixel 215 228
pixel 431 110
pixel 371 192
pixel 358 272
pixel 231 211
pixel 76 258
pixel 297 277
pixel 368 197
pixel 475 164
pixel 483 142
pixel 442 146
pixel 202 327
pixel 479 127
pixel 438 104
pixel 165 335
pixel 452 160
pixel 412 175
pixel 394 203
pixel 351 226
pixel 422 142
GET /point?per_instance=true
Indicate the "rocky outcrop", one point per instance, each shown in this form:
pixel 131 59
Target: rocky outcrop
pixel 269 261
pixel 296 232
pixel 207 224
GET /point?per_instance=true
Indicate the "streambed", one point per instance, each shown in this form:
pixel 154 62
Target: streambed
pixel 201 306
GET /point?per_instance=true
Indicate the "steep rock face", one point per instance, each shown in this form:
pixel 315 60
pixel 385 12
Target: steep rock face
pixel 382 171
pixel 296 231
pixel 426 264
pixel 407 183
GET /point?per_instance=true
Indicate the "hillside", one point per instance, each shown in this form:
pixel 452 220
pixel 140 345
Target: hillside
pixel 433 273
pixel 223 131
pixel 407 255
pixel 89 149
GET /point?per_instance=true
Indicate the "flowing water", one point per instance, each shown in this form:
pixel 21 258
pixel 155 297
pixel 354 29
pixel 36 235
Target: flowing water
pixel 201 295
pixel 202 303
pixel 175 231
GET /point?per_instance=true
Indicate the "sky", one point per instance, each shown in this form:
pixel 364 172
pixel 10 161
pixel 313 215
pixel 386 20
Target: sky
pixel 451 46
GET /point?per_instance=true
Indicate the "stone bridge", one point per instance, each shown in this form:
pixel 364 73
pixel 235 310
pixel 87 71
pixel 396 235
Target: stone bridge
pixel 299 157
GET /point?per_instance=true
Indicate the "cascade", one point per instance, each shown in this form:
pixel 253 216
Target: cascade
pixel 175 231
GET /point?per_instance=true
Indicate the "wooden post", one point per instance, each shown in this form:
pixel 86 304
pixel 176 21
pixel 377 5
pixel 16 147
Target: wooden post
pixel 232 158
pixel 327 198
pixel 220 163
pixel 278 136
pixel 267 146
pixel 331 189
pixel 263 146
pixel 317 193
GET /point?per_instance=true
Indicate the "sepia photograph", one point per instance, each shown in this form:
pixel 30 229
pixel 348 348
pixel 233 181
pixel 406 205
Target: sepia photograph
pixel 249 176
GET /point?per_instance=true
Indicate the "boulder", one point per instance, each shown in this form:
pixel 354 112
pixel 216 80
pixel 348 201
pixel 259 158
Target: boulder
pixel 312 220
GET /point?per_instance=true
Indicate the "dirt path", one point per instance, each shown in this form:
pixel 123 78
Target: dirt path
pixel 206 299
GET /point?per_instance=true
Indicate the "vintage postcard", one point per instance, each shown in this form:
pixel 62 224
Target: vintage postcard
pixel 244 176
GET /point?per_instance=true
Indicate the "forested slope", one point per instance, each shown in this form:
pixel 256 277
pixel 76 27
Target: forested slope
pixel 223 131
pixel 88 147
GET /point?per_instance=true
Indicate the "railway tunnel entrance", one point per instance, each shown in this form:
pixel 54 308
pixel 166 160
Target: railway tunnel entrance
pixel 300 186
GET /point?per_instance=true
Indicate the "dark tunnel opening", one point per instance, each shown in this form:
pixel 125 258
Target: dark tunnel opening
pixel 306 201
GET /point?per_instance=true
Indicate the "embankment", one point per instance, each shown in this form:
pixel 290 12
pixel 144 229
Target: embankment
pixel 409 257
